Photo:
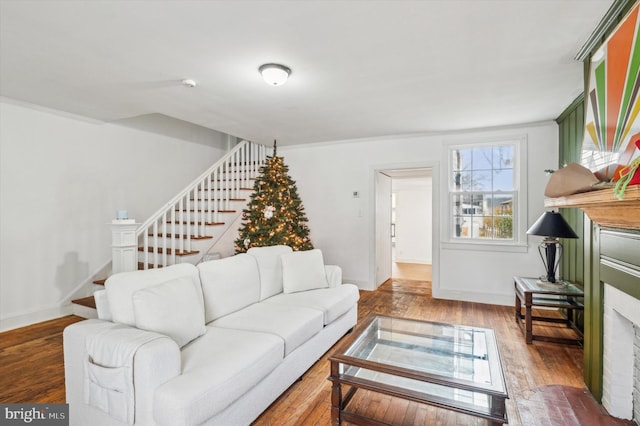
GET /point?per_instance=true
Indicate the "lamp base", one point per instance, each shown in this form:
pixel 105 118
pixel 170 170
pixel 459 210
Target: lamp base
pixel 547 284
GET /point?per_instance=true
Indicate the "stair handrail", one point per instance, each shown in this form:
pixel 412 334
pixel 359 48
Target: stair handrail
pixel 211 180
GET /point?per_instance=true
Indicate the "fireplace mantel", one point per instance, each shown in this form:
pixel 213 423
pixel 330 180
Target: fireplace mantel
pixel 604 208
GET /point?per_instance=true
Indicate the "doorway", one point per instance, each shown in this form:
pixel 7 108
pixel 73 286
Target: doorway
pixel 404 236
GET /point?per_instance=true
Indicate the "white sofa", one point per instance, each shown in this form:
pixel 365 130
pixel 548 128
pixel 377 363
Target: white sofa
pixel 212 344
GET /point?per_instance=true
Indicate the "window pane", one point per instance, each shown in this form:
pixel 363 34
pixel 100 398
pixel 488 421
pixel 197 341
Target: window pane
pixel 461 181
pixel 461 159
pixel 503 157
pixel 485 227
pixel 478 204
pixel 481 180
pixel 462 204
pixel 503 180
pixel 462 228
pixel 482 158
pixel 503 227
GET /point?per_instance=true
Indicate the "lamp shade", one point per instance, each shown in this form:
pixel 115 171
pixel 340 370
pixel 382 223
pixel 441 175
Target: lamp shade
pixel 552 224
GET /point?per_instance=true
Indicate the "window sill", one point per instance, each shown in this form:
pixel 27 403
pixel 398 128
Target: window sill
pixel 478 246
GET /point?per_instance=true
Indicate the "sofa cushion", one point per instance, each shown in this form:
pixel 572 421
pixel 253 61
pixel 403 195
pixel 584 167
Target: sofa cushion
pixel 174 308
pixel 294 324
pixel 303 270
pixel 333 302
pixel 217 369
pixel 121 287
pixel 270 267
pixel 229 284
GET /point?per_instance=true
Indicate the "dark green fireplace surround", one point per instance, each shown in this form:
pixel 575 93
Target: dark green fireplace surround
pixel 614 256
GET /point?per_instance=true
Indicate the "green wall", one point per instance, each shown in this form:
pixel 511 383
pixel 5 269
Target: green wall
pixel 571 127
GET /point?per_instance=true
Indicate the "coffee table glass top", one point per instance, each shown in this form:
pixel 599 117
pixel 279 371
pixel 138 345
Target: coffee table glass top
pixel 456 363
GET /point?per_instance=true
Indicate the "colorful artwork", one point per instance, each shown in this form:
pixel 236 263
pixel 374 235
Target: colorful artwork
pixel 613 102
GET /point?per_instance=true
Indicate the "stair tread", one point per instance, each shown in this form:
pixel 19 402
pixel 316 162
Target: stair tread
pixel 89 302
pixel 101 281
pixel 160 250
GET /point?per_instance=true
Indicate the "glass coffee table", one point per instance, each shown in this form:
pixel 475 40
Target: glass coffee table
pixel 450 366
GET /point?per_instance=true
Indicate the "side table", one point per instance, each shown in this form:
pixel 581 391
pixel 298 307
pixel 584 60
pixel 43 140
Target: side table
pixel 530 292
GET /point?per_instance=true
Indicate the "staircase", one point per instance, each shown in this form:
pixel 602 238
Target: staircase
pixel 191 223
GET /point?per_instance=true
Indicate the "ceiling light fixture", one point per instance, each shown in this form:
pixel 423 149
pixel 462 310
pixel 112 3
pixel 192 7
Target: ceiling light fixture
pixel 275 74
pixel 187 82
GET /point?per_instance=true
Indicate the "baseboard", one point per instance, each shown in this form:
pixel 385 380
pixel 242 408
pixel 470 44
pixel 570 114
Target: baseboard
pixel 477 297
pixel 35 317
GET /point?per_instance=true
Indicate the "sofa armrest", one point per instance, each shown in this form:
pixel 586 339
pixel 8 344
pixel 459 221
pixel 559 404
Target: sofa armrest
pixel 154 363
pixel 102 305
pixel 334 275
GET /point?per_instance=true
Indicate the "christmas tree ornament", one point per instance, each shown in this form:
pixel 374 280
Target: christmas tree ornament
pixel 268 212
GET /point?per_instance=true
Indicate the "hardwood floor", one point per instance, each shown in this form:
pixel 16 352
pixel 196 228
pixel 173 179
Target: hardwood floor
pixel 31 363
pixel 544 380
pixel 411 271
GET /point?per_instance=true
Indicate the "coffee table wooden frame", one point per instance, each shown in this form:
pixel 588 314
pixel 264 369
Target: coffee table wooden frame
pixel 339 401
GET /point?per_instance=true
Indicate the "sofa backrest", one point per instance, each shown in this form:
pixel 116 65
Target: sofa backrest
pixel 229 285
pixel 121 287
pixel 270 267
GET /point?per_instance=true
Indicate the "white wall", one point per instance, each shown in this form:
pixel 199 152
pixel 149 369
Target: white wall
pixel 62 179
pixel 413 220
pixel 326 175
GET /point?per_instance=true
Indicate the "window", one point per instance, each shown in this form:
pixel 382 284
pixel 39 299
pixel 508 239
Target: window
pixel 483 188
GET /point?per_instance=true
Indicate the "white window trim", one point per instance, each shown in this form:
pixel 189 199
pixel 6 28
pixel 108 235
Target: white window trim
pixel 519 241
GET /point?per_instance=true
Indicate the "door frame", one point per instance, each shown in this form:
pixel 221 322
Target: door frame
pixel 435 216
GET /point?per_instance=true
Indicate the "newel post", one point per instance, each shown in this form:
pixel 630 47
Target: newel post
pixel 124 244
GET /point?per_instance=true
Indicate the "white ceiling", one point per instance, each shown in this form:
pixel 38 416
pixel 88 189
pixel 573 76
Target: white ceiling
pixel 360 68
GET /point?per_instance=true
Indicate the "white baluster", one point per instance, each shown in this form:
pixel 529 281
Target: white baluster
pixel 183 226
pixel 156 245
pixel 189 231
pixel 216 194
pixel 227 194
pixel 209 200
pixel 145 249
pixel 196 205
pixel 175 234
pixel 164 238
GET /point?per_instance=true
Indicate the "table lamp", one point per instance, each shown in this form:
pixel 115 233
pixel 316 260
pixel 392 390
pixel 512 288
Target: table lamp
pixel 552 226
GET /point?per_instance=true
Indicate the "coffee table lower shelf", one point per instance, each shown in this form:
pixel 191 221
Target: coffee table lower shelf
pixel 340 402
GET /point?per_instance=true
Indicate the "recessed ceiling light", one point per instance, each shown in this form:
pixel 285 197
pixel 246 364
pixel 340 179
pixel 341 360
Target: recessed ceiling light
pixel 275 74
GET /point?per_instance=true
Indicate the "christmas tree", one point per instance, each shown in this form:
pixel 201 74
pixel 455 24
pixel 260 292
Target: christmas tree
pixel 274 215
